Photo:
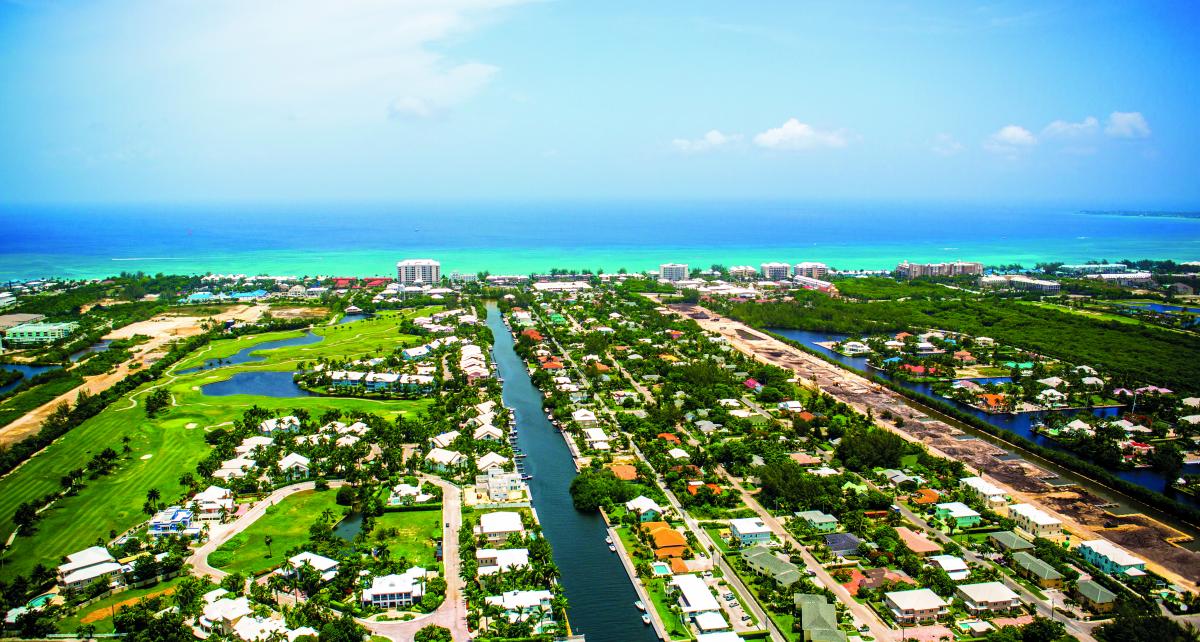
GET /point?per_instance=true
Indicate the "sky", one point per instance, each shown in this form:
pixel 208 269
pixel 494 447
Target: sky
pixel 105 101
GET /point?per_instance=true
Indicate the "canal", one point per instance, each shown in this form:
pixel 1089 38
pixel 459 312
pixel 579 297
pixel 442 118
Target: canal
pixel 598 590
pixel 1020 424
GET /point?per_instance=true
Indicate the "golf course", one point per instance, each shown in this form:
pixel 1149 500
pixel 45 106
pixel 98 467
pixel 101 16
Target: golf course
pixel 162 448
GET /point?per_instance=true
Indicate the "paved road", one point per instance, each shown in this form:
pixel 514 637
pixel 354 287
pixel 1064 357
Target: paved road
pixel 220 533
pixel 452 614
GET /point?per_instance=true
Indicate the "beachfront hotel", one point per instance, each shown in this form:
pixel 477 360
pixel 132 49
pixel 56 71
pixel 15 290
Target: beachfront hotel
pixel 776 271
pixel 957 268
pixel 673 271
pixel 811 269
pixel 418 271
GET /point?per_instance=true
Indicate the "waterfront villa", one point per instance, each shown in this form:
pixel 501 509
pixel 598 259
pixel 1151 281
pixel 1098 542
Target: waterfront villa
pixel 442 460
pixel 749 531
pixel 491 461
pixel 520 606
pixel 496 527
pixel 666 541
pixel 326 567
pixel 645 508
pixel 694 594
pixel 396 590
pixel 491 561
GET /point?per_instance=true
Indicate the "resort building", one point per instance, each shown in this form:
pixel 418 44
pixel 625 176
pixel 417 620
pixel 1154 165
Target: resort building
pixel 394 591
pixel 908 270
pixel 34 333
pixel 1035 521
pixel 749 531
pixel 1110 558
pixel 88 566
pixel 811 270
pixel 496 527
pixel 918 605
pixel 742 272
pixel 988 597
pixel 1019 282
pixel 776 271
pixel 418 272
pixel 673 271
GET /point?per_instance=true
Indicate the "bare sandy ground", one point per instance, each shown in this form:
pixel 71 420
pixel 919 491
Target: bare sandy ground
pixel 1079 511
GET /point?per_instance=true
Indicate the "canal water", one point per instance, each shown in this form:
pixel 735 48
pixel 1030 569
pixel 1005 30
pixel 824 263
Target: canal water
pixel 597 587
pixel 31 371
pixel 1018 423
pixel 245 355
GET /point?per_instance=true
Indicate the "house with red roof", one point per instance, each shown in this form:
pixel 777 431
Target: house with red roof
pixel 753 385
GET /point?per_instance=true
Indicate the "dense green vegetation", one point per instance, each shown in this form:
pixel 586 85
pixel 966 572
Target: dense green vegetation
pixel 35 392
pixel 1133 354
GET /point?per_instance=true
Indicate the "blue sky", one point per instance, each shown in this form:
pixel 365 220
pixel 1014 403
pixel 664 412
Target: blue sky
pixel 225 100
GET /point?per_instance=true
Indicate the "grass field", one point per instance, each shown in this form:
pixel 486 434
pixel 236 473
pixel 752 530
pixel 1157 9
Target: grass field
pixel 99 614
pixel 417 530
pixel 287 523
pixel 173 441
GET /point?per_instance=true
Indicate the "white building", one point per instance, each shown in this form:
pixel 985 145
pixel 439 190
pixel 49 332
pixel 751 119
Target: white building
pixel 1035 521
pixel 955 567
pixel 673 271
pixel 987 597
pixel 326 567
pixel 418 271
pixel 989 494
pixel 496 527
pixel 87 566
pixel 812 270
pixel 694 594
pixel 917 605
pixel 491 560
pixel 392 591
pixel 213 504
pixel 776 271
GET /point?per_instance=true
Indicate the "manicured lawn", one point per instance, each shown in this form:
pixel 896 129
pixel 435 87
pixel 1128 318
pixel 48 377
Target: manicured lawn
pixel 656 589
pixel 111 604
pixel 287 523
pixel 417 530
pixel 173 441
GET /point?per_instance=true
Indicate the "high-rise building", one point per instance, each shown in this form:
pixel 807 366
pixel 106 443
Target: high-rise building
pixel 673 271
pixel 418 272
pixel 812 270
pixel 776 271
pixel 957 268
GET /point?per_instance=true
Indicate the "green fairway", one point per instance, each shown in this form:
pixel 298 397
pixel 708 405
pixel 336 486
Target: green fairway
pixel 287 523
pixel 173 440
pixel 414 539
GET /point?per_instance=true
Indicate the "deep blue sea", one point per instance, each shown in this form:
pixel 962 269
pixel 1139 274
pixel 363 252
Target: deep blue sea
pixel 96 241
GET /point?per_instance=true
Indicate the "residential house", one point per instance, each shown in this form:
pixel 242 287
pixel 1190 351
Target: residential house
pixel 501 486
pixel 1035 521
pixel 213 504
pixel 1009 541
pixel 279 424
pixel 1094 596
pixel 584 417
pixel 497 526
pixel 749 531
pixel 958 514
pixel 326 567
pixel 1037 571
pixel 1110 558
pixel 819 521
pixel 817 619
pixel 491 561
pixel 843 544
pixel 520 606
pixel 444 439
pixel 173 520
pixel 220 615
pixel 955 567
pixel 490 461
pixel 294 466
pixel 694 594
pixel 765 563
pixel 917 542
pixel 666 541
pixel 645 508
pixel 988 597
pixel 917 605
pixel 396 590
pixel 988 494
pixel 87 566
pixel 442 460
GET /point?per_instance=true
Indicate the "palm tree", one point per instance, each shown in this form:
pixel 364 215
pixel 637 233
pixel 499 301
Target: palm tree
pixel 153 495
pixel 267 539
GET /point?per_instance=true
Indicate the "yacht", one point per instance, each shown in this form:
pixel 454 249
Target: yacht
pixel 640 606
pixel 646 619
pixel 612 547
pixel 608 540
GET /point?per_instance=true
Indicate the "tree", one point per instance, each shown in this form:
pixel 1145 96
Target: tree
pixel 85 631
pixel 433 633
pixel 157 401
pixel 593 488
pixel 267 539
pixel 343 629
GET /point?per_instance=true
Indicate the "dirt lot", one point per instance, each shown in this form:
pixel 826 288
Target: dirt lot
pixel 1079 510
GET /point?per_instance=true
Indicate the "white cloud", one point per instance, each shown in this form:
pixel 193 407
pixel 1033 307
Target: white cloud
pixel 946 145
pixel 1010 140
pixel 712 140
pixel 1066 129
pixel 1127 124
pixel 795 135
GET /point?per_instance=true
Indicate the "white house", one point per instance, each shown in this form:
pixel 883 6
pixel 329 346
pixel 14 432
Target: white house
pixel 87 566
pixel 487 433
pixel 678 453
pixel 1035 521
pixel 326 567
pixel 750 531
pixel 213 504
pixel 989 494
pixel 279 424
pixel 988 597
pixel 694 594
pixel 490 461
pixel 496 527
pixel 955 567
pixel 491 561
pixel 445 439
pixel 392 591
pixel 917 605
pixel 584 417
pixel 294 466
pixel 442 460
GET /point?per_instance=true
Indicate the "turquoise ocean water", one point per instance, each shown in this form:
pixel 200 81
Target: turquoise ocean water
pixel 85 242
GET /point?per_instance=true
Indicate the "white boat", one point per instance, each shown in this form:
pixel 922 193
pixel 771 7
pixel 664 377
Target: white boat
pixel 639 605
pixel 608 540
pixel 646 619
pixel 612 547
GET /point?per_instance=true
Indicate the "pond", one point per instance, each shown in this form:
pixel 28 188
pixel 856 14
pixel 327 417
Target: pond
pixel 351 318
pixel 349 527
pixel 27 371
pixel 247 355
pixel 263 384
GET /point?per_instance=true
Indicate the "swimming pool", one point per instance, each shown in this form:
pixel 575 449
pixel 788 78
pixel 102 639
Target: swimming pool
pixel 40 600
pixel 661 568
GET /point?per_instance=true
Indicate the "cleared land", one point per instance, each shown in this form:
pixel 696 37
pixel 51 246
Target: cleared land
pixel 415 533
pixel 287 523
pixel 114 502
